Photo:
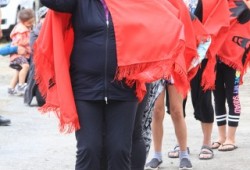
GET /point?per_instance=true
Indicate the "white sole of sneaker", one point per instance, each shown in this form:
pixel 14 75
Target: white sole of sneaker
pixel 149 168
pixel 184 168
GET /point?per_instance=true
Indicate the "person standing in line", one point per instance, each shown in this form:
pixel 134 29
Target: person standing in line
pixel 202 99
pixel 231 65
pixel 176 108
pixel 100 59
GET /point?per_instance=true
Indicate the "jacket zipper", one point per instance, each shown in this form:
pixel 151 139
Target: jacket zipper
pixel 106 63
pixel 106 52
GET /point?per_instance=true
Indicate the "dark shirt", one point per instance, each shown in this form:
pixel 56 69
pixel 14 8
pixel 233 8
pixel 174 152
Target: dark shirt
pixel 93 58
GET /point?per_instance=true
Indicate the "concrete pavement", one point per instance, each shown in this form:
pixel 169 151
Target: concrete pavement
pixel 33 141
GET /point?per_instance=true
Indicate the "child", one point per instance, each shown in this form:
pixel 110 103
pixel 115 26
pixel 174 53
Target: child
pixel 20 36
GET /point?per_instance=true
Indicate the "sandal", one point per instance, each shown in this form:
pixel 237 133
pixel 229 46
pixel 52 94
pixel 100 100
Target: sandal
pixel 175 153
pixel 215 145
pixel 207 152
pixel 227 147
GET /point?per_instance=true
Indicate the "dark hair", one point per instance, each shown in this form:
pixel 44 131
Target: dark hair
pixel 26 15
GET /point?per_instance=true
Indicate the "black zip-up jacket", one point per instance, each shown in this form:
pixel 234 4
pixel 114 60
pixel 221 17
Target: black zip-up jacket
pixel 93 58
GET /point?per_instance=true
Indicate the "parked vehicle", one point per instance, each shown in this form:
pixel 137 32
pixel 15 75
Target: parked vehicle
pixel 10 10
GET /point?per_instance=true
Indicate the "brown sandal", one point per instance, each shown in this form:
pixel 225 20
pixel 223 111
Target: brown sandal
pixel 227 147
pixel 215 145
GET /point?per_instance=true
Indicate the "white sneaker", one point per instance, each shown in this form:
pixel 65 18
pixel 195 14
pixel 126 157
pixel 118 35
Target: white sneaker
pixel 21 89
pixel 12 91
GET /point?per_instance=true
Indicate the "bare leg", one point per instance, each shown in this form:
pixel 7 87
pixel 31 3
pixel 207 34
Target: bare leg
pixel 14 80
pixel 206 152
pixel 229 143
pixel 222 133
pixel 231 135
pixel 176 110
pixel 207 132
pixel 23 73
pixel 157 122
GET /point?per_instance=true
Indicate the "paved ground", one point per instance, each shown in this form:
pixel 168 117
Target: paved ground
pixel 33 142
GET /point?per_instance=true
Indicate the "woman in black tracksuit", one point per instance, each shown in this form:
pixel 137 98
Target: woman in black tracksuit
pixel 100 100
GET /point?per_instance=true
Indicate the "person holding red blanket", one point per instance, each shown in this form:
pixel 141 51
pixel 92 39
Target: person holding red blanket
pixel 93 59
pixel 233 59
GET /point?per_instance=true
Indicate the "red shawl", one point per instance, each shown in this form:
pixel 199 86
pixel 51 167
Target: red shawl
pixel 147 45
pixel 190 36
pixel 216 24
pixel 237 45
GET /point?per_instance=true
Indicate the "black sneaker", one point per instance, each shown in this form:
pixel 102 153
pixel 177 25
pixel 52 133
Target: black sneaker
pixel 4 122
pixel 185 164
pixel 153 164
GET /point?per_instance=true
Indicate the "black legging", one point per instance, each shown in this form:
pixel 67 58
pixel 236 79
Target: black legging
pixel 117 117
pixel 138 153
pixel 227 89
pixel 138 158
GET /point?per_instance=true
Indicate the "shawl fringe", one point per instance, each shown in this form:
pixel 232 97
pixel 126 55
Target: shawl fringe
pixel 140 74
pixel 234 65
pixel 64 126
pixel 181 80
pixel 209 75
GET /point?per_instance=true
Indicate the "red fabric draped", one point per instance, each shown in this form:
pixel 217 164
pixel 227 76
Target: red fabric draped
pixel 190 36
pixel 201 35
pixel 154 56
pixel 236 48
pixel 51 57
pixel 216 23
pixel 146 51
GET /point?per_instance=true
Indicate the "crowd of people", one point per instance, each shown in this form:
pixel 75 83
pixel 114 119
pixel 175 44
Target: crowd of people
pixel 109 68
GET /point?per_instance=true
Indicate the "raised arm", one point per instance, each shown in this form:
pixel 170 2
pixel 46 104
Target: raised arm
pixel 60 5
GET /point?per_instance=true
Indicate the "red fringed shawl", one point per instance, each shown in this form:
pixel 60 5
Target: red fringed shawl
pixel 190 36
pixel 216 23
pixel 235 50
pixel 149 38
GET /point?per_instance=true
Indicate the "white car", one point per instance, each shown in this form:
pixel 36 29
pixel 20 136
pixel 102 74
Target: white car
pixel 10 9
